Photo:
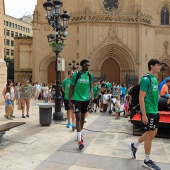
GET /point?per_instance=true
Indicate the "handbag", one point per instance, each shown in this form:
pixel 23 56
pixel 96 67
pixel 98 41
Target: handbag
pixel 19 106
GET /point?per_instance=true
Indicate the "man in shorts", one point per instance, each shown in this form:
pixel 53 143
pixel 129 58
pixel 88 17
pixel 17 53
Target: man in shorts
pixel 80 90
pixel 66 89
pixel 26 92
pixel 148 100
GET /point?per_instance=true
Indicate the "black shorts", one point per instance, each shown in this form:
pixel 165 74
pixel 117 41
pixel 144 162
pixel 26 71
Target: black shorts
pixel 153 121
pixel 95 101
pixel 66 102
pixel 80 106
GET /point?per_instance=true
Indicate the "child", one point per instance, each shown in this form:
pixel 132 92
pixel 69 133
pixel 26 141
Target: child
pixel 105 98
pixel 126 106
pixel 8 103
pixel 46 94
pixel 109 101
pixel 117 107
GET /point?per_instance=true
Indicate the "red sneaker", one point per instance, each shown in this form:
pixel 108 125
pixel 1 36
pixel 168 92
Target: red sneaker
pixel 81 138
pixel 81 146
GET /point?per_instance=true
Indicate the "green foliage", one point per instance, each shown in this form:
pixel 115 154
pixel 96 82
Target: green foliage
pixel 54 44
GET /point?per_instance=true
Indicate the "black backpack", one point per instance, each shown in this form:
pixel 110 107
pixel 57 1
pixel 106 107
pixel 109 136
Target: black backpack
pixel 78 76
pixel 134 93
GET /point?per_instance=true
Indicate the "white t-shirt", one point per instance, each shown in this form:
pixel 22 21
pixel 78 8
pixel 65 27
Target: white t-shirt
pixel 7 95
pixel 12 92
pixel 105 97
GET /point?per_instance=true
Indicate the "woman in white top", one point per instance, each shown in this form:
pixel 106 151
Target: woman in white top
pixel 8 102
pixel 12 93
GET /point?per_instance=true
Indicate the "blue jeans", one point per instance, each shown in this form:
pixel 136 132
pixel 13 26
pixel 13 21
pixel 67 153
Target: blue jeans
pixel 122 98
pixel 166 95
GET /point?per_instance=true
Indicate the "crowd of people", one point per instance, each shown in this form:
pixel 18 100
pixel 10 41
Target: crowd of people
pixel 81 94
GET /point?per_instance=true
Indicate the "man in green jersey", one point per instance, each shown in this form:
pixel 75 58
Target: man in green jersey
pixel 148 100
pixel 79 96
pixel 66 89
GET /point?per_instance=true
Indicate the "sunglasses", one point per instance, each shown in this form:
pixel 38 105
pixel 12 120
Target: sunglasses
pixel 87 65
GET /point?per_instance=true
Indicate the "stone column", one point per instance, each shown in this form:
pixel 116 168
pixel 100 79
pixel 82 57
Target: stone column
pixel 3 68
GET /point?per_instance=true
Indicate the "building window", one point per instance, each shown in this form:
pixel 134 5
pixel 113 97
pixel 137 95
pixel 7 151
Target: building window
pixel 4 31
pixel 7 32
pixel 18 27
pixel 20 35
pixel 16 34
pixel 164 16
pixel 6 23
pixel 12 43
pixel 7 51
pixel 9 24
pixel 15 26
pixel 28 30
pixel 12 52
pixel 23 28
pixel 7 42
pixel 12 25
pixel 12 33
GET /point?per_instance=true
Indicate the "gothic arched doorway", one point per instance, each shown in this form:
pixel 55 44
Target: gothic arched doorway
pixel 51 72
pixel 110 71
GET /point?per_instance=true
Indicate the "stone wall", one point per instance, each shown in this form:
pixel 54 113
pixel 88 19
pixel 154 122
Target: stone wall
pixel 3 68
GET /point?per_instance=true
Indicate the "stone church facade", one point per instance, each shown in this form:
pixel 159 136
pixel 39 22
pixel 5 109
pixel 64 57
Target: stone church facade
pixel 118 38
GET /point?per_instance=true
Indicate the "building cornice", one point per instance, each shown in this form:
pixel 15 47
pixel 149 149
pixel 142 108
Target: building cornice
pixel 93 16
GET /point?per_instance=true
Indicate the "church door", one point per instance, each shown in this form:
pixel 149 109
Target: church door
pixel 51 72
pixel 110 71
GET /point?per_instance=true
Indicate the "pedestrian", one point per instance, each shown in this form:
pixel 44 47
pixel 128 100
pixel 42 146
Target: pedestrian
pixel 8 102
pixel 117 107
pixel 126 105
pixel 105 98
pixel 17 92
pixel 148 100
pixel 12 94
pixel 26 93
pixel 80 89
pixel 123 92
pixel 66 88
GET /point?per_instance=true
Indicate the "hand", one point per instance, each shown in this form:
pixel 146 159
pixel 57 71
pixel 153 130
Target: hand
pixel 144 119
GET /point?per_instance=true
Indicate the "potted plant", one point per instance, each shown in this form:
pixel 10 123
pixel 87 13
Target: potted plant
pixel 57 47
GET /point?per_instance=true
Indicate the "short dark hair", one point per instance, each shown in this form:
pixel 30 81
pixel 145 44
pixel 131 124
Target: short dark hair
pixel 153 62
pixel 167 80
pixel 69 72
pixel 83 62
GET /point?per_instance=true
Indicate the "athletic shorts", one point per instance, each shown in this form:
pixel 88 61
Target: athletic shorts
pixel 80 106
pixel 153 121
pixel 66 102
pixel 95 101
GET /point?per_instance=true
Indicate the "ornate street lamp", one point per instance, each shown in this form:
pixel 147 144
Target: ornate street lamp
pixel 73 65
pixel 59 22
pixel 164 68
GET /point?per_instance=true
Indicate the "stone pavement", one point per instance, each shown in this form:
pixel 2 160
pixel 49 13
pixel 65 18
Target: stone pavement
pixel 34 147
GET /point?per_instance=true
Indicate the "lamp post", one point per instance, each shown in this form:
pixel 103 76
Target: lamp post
pixel 73 65
pixel 59 22
pixel 164 68
pixel 7 64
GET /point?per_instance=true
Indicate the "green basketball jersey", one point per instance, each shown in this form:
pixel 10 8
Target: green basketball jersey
pixel 152 95
pixel 82 87
pixel 66 85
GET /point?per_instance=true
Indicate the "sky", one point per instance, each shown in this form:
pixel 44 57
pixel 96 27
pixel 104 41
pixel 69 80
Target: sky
pixel 19 8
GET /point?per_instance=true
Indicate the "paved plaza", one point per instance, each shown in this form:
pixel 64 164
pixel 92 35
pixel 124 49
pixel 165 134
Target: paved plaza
pixel 35 147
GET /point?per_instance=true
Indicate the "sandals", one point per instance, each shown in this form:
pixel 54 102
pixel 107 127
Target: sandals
pixel 6 116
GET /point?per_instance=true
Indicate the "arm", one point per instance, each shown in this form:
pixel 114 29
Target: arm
pixel 3 92
pixel 142 106
pixel 70 95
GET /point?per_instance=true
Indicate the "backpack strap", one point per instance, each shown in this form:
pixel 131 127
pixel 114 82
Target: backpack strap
pixel 78 74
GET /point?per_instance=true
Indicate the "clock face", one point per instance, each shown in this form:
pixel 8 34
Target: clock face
pixel 111 5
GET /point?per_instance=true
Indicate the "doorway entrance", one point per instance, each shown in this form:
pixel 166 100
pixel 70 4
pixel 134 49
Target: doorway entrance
pixel 110 71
